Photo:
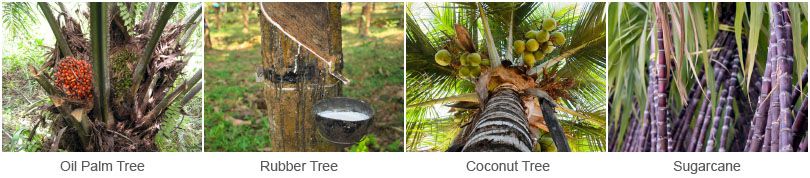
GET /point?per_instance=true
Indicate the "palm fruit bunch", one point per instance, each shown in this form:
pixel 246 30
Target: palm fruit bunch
pixel 121 71
pixel 469 64
pixel 75 78
pixel 540 42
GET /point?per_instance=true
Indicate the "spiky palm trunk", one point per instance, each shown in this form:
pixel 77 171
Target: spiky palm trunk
pixel 112 127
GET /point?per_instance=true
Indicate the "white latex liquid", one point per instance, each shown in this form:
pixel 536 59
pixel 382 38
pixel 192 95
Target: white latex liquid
pixel 343 115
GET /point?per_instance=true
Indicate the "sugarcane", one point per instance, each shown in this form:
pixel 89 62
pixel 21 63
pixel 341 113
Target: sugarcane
pixel 651 109
pixel 796 90
pixel 687 113
pixel 716 120
pixel 721 60
pixel 729 110
pixel 785 67
pixel 800 124
pixel 662 85
pixel 759 123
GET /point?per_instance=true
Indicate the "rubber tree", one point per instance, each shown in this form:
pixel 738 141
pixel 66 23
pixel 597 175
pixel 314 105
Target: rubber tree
pixel 298 63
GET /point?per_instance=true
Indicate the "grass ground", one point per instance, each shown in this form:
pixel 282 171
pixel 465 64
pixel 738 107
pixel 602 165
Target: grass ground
pixel 234 120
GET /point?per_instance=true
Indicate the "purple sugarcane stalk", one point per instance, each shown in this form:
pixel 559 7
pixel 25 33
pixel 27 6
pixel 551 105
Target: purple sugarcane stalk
pixel 785 76
pixel 797 90
pixel 700 124
pixel 759 123
pixel 716 120
pixel 729 110
pixel 766 146
pixel 628 140
pixel 662 80
pixel 800 124
pixel 651 109
pixel 722 60
pixel 688 112
pixel 773 118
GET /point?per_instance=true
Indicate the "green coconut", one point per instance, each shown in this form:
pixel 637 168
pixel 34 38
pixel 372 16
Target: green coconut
pixel 531 34
pixel 474 59
pixel 532 45
pixel 475 71
pixel 443 57
pixel 549 49
pixel 542 36
pixel 549 24
pixel 463 59
pixel 463 71
pixel 539 55
pixel 520 46
pixel 558 38
pixel 528 58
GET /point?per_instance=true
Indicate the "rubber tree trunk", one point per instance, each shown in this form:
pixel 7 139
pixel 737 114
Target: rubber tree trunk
pixel 502 126
pixel 245 10
pixel 295 79
pixel 364 22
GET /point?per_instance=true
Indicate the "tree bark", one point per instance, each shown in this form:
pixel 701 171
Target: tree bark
pixel 365 20
pixel 502 126
pixel 245 10
pixel 207 34
pixel 295 79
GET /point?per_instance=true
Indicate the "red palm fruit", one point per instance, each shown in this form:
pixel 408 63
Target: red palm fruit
pixel 74 77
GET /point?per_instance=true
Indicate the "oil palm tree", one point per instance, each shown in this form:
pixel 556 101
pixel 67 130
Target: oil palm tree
pixel 511 105
pixel 110 92
pixel 707 77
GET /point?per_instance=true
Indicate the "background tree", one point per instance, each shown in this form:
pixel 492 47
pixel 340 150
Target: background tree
pixel 364 21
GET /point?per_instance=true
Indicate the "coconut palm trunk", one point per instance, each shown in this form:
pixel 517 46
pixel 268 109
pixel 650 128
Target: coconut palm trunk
pixel 502 126
pixel 295 77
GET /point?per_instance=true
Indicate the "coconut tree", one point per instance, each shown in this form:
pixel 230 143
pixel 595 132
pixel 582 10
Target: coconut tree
pixel 111 87
pixel 707 77
pixel 472 87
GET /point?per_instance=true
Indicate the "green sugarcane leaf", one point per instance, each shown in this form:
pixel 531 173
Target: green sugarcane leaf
pixel 798 29
pixel 701 31
pixel 738 30
pixel 755 24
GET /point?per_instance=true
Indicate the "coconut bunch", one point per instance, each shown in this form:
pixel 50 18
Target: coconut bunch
pixel 461 55
pixel 538 43
pixel 468 64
